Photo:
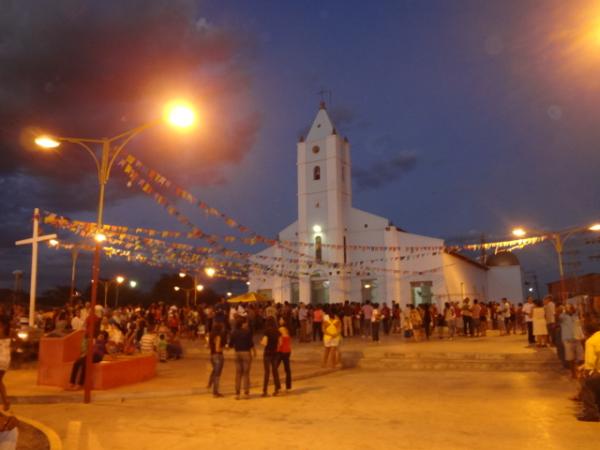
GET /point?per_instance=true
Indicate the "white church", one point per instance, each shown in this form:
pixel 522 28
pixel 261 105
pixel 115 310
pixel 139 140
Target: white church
pixel 335 252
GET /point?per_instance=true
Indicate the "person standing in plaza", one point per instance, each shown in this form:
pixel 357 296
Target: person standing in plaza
pixel 332 336
pixel 284 352
pixel 317 323
pixel 540 329
pixel 475 318
pixel 527 313
pixel 450 319
pixel 270 342
pixel 573 350
pixel 375 323
pixel 216 342
pixel 367 312
pixel 4 358
pixel 550 316
pixel 303 321
pixel 467 316
pixel 347 319
pixel 241 341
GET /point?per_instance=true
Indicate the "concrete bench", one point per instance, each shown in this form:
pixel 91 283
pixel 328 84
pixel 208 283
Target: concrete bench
pixel 124 370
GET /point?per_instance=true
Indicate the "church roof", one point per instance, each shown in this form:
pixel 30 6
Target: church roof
pixel 322 125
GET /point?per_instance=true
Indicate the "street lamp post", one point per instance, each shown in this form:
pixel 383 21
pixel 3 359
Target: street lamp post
pixel 178 115
pixel 558 239
pixel 119 280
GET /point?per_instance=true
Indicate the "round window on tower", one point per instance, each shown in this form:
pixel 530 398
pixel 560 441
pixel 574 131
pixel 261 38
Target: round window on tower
pixel 316 149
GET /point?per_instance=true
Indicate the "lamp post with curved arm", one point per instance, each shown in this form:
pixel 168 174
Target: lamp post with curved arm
pixel 178 115
pixel 558 239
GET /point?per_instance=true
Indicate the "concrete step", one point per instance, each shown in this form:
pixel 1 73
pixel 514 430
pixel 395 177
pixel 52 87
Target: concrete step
pixel 446 364
pixel 470 356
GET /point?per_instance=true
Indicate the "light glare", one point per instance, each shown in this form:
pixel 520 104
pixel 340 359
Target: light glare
pixel 46 142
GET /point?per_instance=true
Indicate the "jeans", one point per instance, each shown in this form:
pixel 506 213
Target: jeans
pixel 79 366
pixel 270 366
pixel 285 359
pixel 468 325
pixel 243 361
pixel 317 331
pixel 375 331
pixel 530 336
pixel 217 360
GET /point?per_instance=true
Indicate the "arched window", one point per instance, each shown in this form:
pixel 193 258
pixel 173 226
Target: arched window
pixel 317 173
pixel 318 249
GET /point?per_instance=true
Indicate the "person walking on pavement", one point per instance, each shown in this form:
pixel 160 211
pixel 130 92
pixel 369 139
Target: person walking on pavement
pixel 216 342
pixel 241 341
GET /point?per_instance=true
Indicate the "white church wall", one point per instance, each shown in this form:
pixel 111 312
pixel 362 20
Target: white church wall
pixel 505 281
pixel 462 279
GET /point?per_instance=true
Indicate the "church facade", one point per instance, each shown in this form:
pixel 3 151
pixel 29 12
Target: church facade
pixel 335 252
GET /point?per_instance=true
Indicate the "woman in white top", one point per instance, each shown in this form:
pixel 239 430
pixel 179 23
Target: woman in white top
pixel 540 329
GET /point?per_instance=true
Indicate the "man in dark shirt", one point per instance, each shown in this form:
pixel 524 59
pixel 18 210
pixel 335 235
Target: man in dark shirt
pixel 241 341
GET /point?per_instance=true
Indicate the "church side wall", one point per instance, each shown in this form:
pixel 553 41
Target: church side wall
pixel 462 279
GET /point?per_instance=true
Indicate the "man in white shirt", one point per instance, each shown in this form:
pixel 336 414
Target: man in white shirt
pixel 528 310
pixel 76 322
pixel 550 315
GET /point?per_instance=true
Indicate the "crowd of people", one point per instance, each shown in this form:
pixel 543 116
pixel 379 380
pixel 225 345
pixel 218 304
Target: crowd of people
pixel 159 328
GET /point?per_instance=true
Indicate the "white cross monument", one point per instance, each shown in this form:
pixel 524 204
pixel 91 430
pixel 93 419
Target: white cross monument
pixel 34 257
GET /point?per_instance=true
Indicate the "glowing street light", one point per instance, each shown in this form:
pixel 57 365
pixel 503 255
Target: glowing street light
pixel 182 274
pixel 180 115
pixel 229 294
pixel 519 232
pixel 594 227
pixel 132 284
pixel 210 271
pixel 176 288
pixel 199 288
pixel 46 142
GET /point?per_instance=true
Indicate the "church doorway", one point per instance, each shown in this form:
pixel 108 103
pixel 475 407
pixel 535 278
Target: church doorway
pixel 319 291
pixel 294 293
pixel 368 290
pixel 420 292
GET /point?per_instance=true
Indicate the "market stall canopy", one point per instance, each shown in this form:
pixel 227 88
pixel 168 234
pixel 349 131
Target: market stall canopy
pixel 248 297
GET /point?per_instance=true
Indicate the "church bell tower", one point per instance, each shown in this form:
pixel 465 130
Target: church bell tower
pixel 324 202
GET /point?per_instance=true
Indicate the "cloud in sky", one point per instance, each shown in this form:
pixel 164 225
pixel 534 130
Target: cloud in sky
pixel 97 68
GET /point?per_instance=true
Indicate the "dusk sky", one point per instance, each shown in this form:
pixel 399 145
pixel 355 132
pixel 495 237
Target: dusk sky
pixel 464 117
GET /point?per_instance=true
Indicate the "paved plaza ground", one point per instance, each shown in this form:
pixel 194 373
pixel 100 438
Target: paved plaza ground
pixel 347 409
pixel 364 406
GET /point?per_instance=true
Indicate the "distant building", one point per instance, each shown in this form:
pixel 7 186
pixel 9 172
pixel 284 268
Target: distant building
pixel 335 252
pixel 588 284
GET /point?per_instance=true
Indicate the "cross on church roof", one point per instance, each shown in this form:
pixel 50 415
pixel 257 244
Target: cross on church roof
pixel 322 93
